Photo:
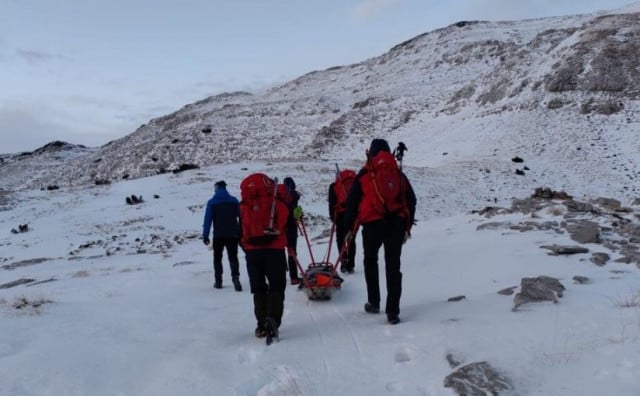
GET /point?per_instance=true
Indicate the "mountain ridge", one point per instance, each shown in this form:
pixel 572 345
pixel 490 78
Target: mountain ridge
pixel 465 98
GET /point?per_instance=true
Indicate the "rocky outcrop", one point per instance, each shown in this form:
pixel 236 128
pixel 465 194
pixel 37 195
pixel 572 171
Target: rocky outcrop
pixel 541 288
pixel 602 221
pixel 564 249
pixel 478 379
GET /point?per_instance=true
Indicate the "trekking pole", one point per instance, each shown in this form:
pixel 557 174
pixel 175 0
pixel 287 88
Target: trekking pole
pixel 333 229
pixel 306 237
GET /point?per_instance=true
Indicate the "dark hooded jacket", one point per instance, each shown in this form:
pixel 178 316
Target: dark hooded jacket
pixel 291 198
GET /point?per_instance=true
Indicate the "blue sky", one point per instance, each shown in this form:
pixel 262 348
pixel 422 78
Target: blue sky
pixel 90 71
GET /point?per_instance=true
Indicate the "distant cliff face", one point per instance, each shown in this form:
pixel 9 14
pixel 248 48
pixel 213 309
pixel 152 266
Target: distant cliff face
pixel 464 94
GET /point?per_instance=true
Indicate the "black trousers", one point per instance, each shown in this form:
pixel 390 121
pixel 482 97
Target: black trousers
pixel 390 234
pixel 293 242
pixel 349 260
pixel 231 244
pixel 268 280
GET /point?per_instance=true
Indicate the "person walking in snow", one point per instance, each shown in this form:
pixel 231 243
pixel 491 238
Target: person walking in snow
pixel 382 200
pixel 338 193
pixel 290 196
pixel 263 230
pixel 223 213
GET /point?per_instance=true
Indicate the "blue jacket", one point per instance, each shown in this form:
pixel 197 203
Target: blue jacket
pixel 223 211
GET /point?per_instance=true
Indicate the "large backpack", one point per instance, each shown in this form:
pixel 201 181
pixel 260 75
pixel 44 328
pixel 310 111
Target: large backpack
pixel 384 188
pixel 260 222
pixel 341 187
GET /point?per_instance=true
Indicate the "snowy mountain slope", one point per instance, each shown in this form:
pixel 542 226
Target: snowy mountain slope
pixel 126 304
pixel 131 310
pixel 559 92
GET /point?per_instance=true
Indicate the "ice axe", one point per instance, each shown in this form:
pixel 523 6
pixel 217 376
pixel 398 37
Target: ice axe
pixel 270 230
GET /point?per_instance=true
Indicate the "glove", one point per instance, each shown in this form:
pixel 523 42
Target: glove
pixel 206 241
pixel 297 212
pixel 407 236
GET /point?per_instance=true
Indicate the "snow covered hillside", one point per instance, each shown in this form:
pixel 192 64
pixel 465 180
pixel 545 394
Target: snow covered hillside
pixel 561 93
pixel 100 297
pixel 508 288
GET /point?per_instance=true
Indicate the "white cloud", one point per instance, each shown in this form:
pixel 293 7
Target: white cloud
pixel 371 8
pixel 34 57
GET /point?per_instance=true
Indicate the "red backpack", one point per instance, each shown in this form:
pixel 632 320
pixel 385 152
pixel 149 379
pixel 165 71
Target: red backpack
pixel 383 189
pixel 259 217
pixel 341 187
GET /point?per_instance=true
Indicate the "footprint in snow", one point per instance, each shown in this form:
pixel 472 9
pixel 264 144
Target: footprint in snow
pixel 394 387
pixel 247 355
pixel 402 355
pixel 285 381
pixel 400 388
pixel 275 381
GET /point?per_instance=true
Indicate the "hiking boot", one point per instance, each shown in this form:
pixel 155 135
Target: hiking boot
pixel 271 327
pixel 237 285
pixel 371 308
pixel 346 266
pixel 393 319
pixel 217 284
pixel 260 332
pixel 295 281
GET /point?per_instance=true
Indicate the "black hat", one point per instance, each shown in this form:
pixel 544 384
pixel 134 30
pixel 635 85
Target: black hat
pixel 378 145
pixel 288 181
pixel 220 183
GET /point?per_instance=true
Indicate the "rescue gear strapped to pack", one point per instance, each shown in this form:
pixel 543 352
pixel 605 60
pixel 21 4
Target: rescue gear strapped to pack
pixel 260 223
pixel 341 187
pixel 383 189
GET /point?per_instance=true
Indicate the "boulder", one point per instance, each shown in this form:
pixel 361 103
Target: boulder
pixel 558 249
pixel 541 288
pixel 599 258
pixel 478 378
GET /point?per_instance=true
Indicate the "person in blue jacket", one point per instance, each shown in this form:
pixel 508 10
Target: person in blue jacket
pixel 223 212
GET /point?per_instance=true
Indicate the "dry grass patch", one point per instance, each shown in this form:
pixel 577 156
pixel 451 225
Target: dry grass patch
pixel 632 301
pixel 80 274
pixel 26 305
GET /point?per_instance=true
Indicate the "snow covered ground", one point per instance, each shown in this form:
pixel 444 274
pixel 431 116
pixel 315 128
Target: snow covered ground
pixel 132 310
